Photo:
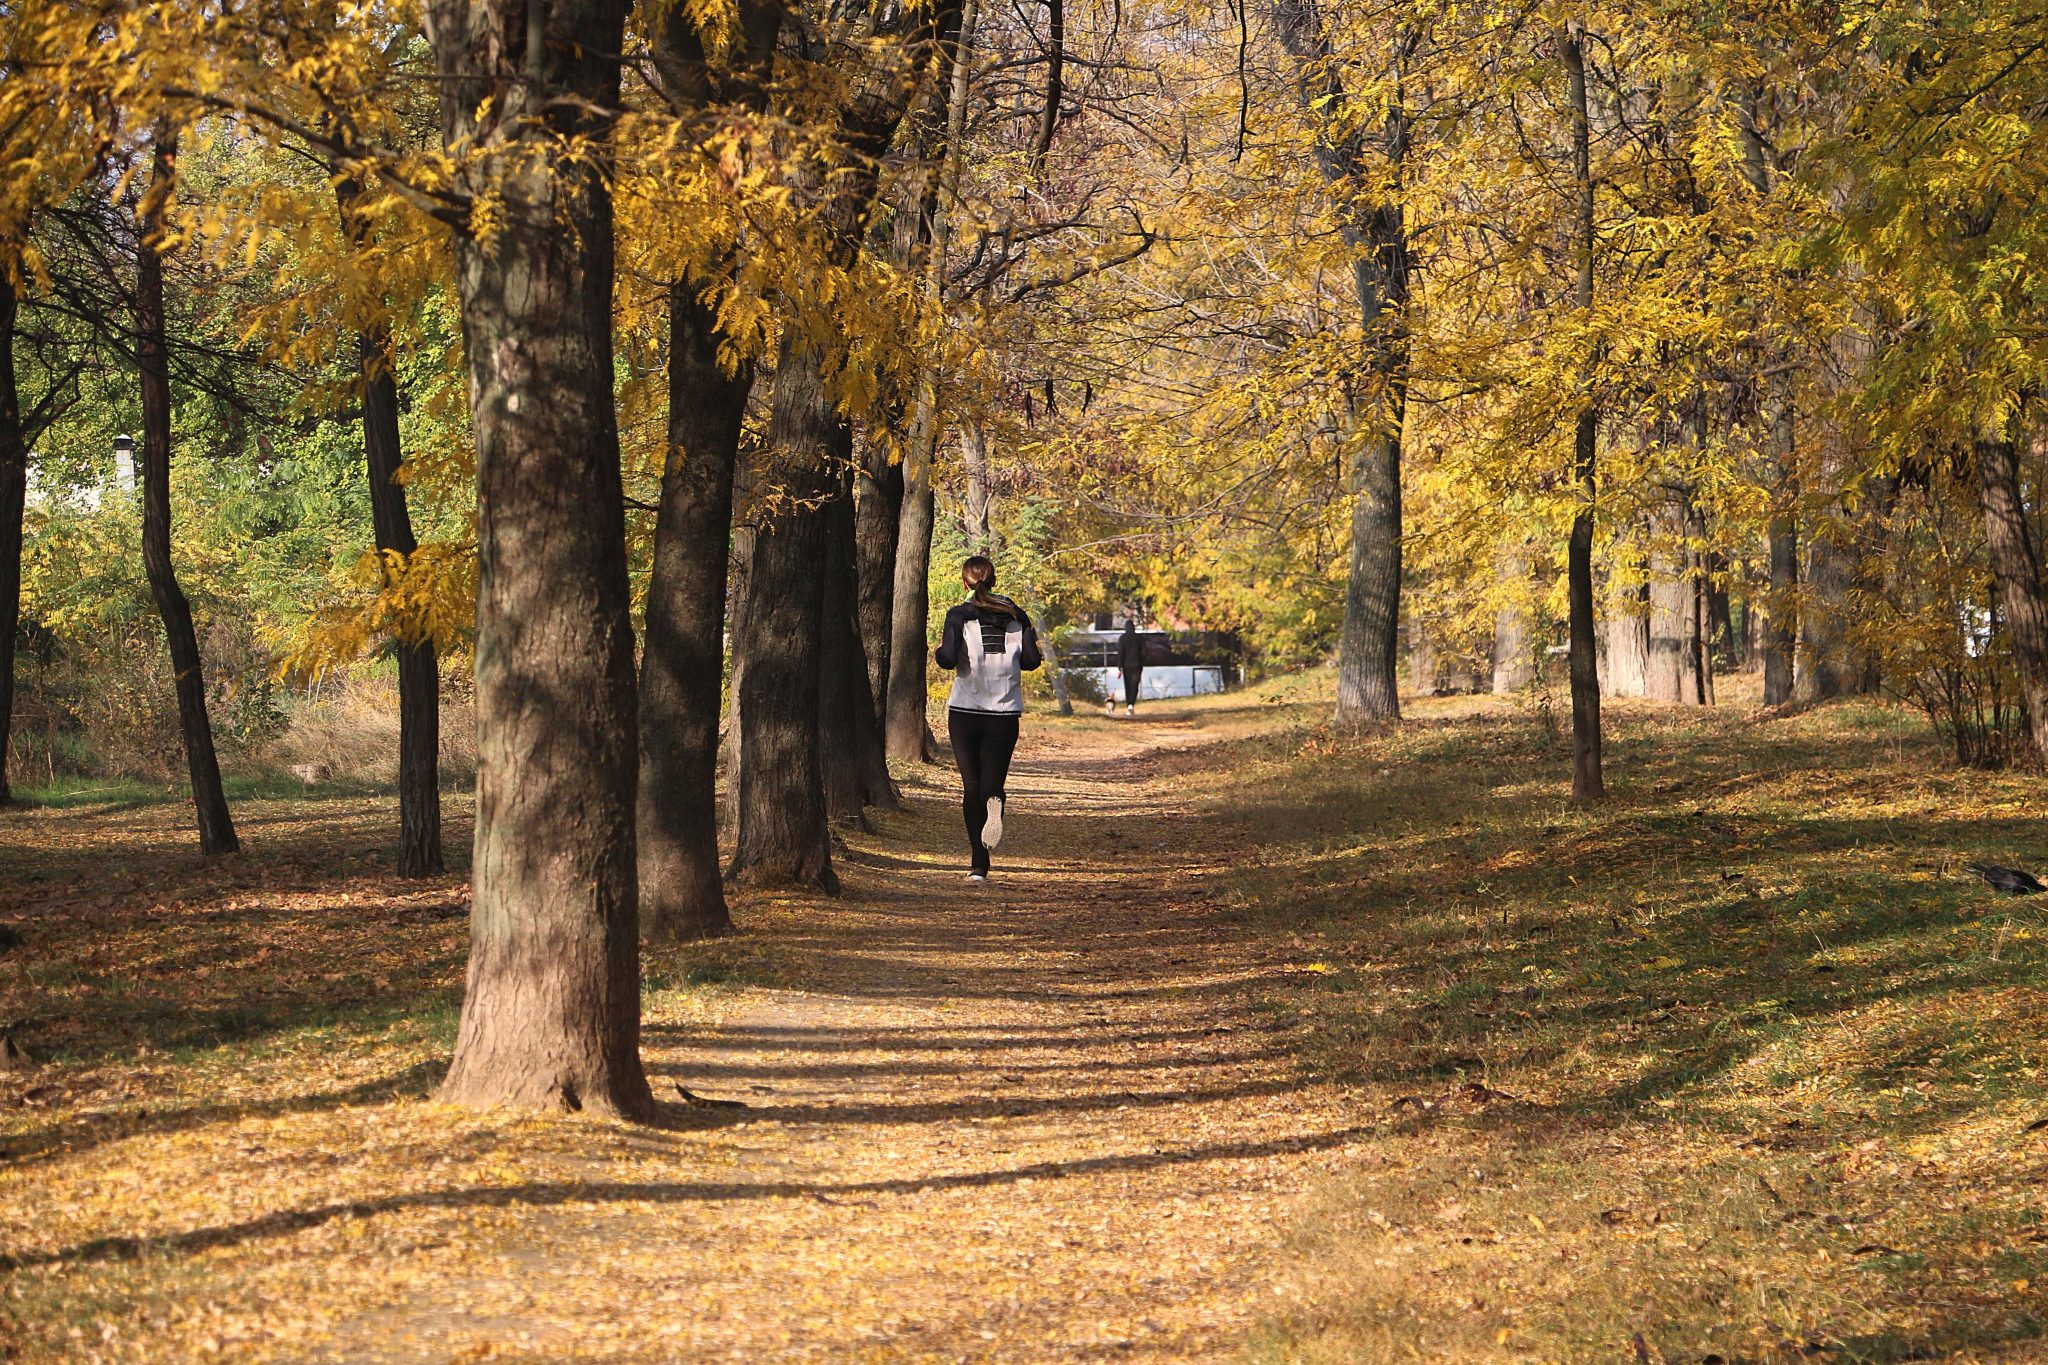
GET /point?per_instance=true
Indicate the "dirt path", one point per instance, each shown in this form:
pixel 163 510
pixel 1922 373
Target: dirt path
pixel 1034 1121
pixel 1031 1122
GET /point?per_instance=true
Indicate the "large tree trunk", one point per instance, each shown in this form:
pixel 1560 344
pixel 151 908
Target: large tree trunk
pixel 682 893
pixel 1369 645
pixel 1822 667
pixel 551 1014
pixel 2016 567
pixel 1588 783
pixel 419 674
pixel 1625 670
pixel 1671 673
pixel 784 839
pixel 1377 237
pixel 13 503
pixel 216 826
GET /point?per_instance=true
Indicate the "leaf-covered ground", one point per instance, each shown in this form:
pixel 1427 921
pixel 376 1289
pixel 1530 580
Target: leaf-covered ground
pixel 1266 1044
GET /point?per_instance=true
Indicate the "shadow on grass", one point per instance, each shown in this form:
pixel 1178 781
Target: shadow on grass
pixel 79 1135
pixel 545 1195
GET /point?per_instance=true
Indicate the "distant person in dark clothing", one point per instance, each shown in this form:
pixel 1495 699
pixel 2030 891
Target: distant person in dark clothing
pixel 1130 658
pixel 989 643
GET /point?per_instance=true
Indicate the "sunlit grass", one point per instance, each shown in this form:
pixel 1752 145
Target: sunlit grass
pixel 1741 1063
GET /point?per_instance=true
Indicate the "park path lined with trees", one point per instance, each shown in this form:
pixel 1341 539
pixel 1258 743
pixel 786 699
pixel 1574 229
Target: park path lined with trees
pixel 1267 1043
pixel 1028 1122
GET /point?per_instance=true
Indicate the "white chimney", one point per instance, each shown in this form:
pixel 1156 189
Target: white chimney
pixel 124 462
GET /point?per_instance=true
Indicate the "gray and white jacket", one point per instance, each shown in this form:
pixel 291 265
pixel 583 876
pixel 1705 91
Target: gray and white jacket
pixel 989 651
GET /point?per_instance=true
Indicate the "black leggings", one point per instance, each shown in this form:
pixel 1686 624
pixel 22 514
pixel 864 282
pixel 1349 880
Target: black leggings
pixel 1132 677
pixel 982 745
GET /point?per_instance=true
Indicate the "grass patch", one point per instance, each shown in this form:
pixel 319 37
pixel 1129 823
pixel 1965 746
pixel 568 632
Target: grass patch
pixel 1740 1065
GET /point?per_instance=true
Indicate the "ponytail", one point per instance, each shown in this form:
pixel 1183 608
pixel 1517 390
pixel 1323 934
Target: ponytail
pixel 978 572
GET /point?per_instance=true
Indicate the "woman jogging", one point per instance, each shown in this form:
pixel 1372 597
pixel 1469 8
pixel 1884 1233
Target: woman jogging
pixel 988 642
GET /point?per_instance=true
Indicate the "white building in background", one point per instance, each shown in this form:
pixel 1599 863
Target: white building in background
pixel 119 481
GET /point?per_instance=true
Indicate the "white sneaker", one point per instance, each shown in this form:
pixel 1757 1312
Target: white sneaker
pixel 1130 710
pixel 977 876
pixel 992 829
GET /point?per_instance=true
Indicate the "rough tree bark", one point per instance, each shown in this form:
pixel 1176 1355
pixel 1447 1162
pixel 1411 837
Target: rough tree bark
pixel 1821 664
pixel 216 826
pixel 13 503
pixel 551 1013
pixel 1671 673
pixel 2016 567
pixel 878 516
pixel 1625 671
pixel 1376 234
pixel 783 838
pixel 907 730
pixel 682 893
pixel 1587 781
pixel 977 498
pixel 1514 660
pixel 839 721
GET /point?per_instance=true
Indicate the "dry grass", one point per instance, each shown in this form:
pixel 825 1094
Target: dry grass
pixel 1740 1066
pixel 349 730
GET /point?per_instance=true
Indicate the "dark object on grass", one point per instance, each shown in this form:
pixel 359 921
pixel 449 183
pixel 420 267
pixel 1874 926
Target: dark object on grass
pixel 2010 880
pixel 10 937
pixel 697 1101
pixel 12 1058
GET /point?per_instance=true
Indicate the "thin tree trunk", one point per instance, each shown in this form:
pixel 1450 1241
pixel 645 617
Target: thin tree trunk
pixel 977 501
pixel 13 503
pixel 216 826
pixel 1055 83
pixel 839 722
pixel 907 729
pixel 419 673
pixel 1780 634
pixel 551 1013
pixel 682 893
pixel 1514 660
pixel 1587 781
pixel 2016 567
pixel 878 517
pixel 741 570
pixel 783 837
pixel 1370 641
pixel 862 739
